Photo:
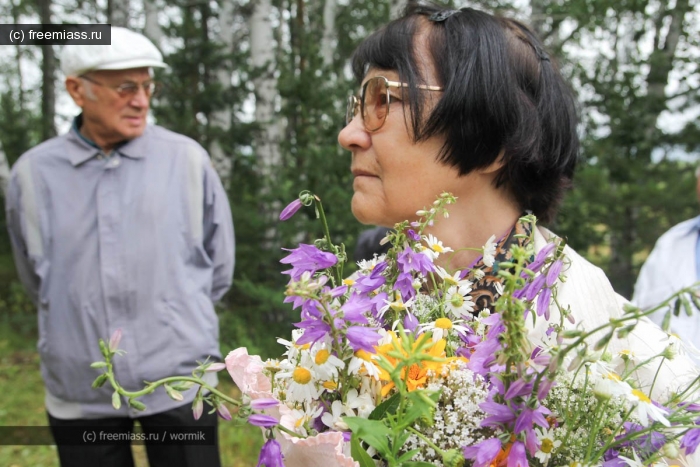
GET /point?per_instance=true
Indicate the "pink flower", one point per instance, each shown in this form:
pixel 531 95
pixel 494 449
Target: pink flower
pixel 247 372
pixel 291 209
pixel 114 340
pixel 323 450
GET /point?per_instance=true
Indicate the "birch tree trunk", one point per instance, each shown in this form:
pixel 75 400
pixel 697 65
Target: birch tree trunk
pixel 262 54
pixel 329 41
pixel 152 29
pixel 221 119
pixel 266 141
pixel 118 12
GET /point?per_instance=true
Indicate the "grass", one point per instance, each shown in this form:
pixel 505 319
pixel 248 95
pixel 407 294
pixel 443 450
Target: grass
pixel 23 405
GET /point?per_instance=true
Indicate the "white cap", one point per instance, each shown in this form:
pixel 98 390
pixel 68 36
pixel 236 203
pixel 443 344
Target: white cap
pixel 129 49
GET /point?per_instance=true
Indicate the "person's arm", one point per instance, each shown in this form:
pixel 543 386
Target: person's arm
pixel 218 233
pixel 16 226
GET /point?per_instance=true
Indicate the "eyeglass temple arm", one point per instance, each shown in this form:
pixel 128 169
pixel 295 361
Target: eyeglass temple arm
pixel 397 84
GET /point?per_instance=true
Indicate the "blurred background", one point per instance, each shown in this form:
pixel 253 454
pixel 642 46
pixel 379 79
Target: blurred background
pixel 262 84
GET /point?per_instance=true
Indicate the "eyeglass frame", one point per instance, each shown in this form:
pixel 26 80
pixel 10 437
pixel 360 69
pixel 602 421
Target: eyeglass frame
pixel 354 103
pixel 151 88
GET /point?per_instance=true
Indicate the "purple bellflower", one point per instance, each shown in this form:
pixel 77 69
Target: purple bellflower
pixel 271 455
pixel 307 258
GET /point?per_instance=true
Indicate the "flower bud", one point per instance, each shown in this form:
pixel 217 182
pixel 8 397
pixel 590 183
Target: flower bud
pixel 98 364
pixel 114 340
pixel 670 450
pixel 99 381
pixel 116 401
pixel 173 394
pixel 197 408
pixel 214 367
pixel 138 405
pixel 223 411
pixel 290 210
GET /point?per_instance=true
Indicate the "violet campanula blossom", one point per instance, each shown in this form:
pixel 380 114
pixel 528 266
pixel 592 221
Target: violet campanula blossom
pixel 271 455
pixel 355 308
pixel 360 337
pixel 646 444
pixel 290 210
pixel 410 323
pixel 519 387
pixel 378 301
pixel 543 300
pixel 404 284
pixel 529 417
pixel 410 233
pixel 264 421
pixel 535 286
pixel 499 414
pixel 541 257
pixel 517 456
pixel 314 330
pixel 553 273
pixel 409 260
pixel 483 453
pixel 372 281
pixel 307 258
pixel 264 403
pixel 691 440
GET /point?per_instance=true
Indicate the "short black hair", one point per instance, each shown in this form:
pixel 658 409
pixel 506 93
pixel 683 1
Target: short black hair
pixel 502 92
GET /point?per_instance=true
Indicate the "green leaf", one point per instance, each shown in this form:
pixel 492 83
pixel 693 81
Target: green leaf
pixel 407 456
pixel 419 407
pixel 417 464
pixel 359 454
pixel 677 307
pixel 98 364
pixel 389 406
pixel 373 432
pixel 99 381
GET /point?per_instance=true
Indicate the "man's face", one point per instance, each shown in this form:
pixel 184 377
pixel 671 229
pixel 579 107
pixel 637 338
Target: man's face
pixel 111 116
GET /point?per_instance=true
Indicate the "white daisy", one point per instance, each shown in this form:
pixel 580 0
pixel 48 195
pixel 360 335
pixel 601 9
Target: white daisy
pixel 645 409
pixel 490 251
pixel 442 326
pixel 300 380
pixel 361 363
pixel 459 302
pixel 452 279
pixel 435 247
pixel 297 420
pixel 396 305
pixel 548 444
pixel 325 364
pixel 636 462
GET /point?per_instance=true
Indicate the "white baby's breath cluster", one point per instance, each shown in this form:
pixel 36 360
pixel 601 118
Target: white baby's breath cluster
pixel 457 417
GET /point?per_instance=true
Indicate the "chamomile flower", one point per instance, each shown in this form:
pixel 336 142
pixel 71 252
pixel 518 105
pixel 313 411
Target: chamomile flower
pixel 645 408
pixel 365 266
pixel 397 305
pixel 634 462
pixel 326 365
pixel 452 279
pixel 300 380
pixel 435 247
pixel 548 444
pixel 459 302
pixel 361 364
pixel 490 251
pixel 298 419
pixel 441 327
pixel 292 348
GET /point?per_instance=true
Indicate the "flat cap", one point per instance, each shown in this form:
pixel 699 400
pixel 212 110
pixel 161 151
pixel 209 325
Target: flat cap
pixel 129 49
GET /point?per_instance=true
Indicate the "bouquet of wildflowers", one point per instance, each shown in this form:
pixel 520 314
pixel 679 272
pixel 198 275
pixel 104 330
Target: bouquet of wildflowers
pixel 407 362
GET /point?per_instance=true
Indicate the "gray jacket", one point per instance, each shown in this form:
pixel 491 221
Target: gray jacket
pixel 141 241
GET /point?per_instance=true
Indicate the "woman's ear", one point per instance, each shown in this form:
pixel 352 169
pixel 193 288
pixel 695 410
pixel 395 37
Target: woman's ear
pixel 496 165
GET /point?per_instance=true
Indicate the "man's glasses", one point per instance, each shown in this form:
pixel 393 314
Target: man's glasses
pixel 130 89
pixel 375 100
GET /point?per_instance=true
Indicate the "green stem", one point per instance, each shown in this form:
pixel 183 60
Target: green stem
pixel 337 279
pixel 427 441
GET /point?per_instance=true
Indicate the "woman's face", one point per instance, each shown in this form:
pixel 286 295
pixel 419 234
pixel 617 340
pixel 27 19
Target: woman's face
pixel 394 176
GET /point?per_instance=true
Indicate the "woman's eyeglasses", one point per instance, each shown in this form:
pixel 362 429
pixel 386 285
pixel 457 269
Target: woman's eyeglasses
pixel 375 100
pixel 130 89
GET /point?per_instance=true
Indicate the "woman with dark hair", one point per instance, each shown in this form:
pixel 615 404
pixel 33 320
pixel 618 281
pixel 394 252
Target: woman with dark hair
pixel 465 102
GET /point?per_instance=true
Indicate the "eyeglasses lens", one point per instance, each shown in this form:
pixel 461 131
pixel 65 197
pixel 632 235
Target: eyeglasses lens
pixel 375 103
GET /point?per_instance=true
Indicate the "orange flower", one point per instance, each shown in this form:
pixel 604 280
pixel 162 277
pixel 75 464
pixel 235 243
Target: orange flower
pixel 418 372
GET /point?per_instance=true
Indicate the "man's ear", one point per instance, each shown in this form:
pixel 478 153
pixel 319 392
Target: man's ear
pixel 76 89
pixel 496 165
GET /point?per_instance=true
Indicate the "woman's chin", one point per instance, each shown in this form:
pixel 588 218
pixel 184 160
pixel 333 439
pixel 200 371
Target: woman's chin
pixel 365 212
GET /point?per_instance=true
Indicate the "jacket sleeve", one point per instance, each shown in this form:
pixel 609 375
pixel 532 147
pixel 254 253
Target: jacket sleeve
pixel 218 233
pixel 17 225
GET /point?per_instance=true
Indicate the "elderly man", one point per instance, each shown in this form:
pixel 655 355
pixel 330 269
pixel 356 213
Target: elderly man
pixel 673 264
pixel 121 225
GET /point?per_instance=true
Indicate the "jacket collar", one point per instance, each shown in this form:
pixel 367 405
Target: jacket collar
pixel 81 149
